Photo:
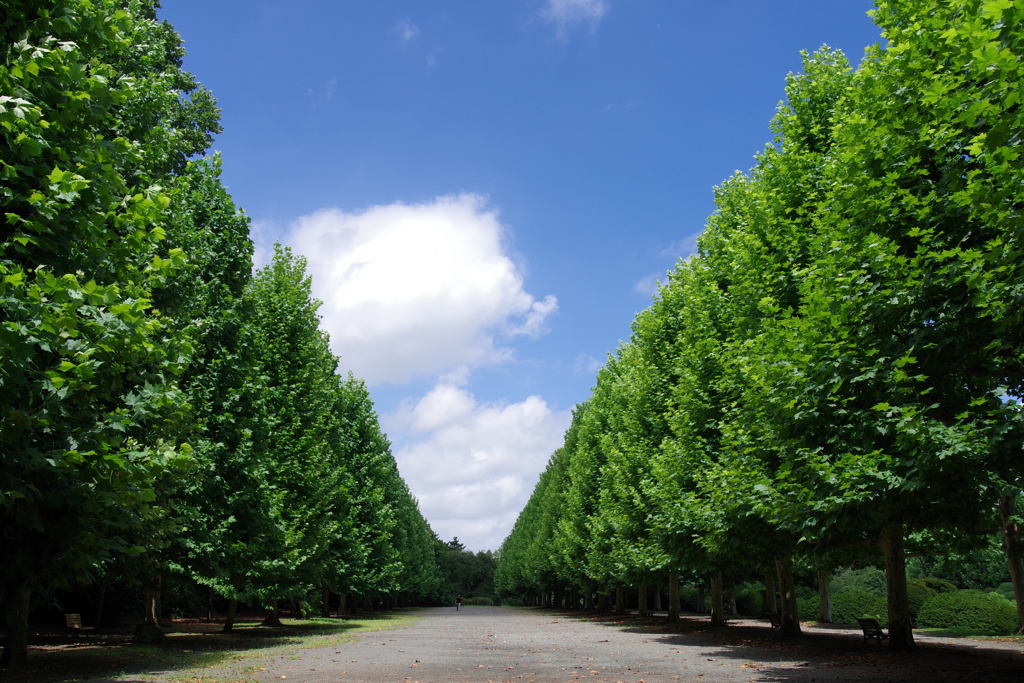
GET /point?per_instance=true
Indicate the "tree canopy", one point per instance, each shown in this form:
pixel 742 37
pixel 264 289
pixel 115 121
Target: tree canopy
pixel 164 409
pixel 841 359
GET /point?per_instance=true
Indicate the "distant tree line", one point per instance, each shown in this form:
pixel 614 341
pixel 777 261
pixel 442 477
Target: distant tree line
pixel 163 408
pixel 466 573
pixel 836 376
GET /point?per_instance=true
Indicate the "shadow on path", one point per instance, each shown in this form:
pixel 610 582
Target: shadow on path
pixel 827 652
pixel 189 644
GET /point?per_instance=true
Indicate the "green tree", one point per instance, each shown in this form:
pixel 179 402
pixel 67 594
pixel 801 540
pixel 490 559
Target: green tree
pixel 573 536
pixel 756 251
pixel 222 505
pixel 525 557
pixel 909 334
pixel 420 580
pixel 89 401
pixel 294 414
pixel 369 559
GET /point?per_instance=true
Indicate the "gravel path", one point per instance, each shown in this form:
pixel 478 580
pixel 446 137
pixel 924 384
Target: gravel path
pixel 482 644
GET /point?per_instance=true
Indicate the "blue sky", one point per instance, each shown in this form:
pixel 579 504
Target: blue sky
pixel 487 191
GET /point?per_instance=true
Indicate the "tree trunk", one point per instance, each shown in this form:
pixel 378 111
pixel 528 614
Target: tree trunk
pixel 769 593
pixel 673 598
pixel 824 598
pixel 272 619
pixel 149 630
pixel 229 619
pixel 700 598
pixel 16 644
pixel 153 602
pixel 342 603
pixel 602 602
pixel 209 604
pixel 732 599
pixel 657 598
pixel 641 600
pixel 717 601
pixel 620 600
pixel 787 596
pixel 100 597
pixel 1014 561
pixel 325 612
pixel 588 601
pixel 901 633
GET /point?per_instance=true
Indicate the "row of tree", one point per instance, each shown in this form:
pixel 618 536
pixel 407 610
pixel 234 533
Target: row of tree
pixel 837 374
pixel 162 407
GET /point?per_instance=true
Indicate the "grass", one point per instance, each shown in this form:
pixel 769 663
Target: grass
pixel 195 651
pixel 969 633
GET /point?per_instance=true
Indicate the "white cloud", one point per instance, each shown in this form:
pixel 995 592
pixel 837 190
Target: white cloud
pixel 472 465
pixel 566 12
pixel 263 246
pixel 407 30
pixel 649 284
pixel 683 248
pixel 417 290
pixel 585 364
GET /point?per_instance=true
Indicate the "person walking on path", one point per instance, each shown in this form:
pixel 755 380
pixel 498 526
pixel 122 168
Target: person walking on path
pixel 458 602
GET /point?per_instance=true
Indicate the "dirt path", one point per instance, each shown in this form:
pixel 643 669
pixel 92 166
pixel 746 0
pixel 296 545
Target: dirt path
pixel 492 644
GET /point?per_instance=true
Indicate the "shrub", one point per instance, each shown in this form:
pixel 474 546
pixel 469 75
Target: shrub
pixel 750 598
pixel 804 592
pixel 918 595
pixel 182 598
pixel 688 599
pixel 863 580
pixel 847 608
pixel 807 608
pixel 937 585
pixel 969 609
pixel 920 590
pixel 478 601
pixel 1006 590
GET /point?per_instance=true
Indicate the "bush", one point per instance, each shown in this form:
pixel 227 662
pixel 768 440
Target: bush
pixel 182 598
pixel 863 580
pixel 918 595
pixel 969 609
pixel 1006 590
pixel 933 584
pixel 750 599
pixel 688 599
pixel 478 601
pixel 847 608
pixel 804 592
pixel 807 608
pixel 920 590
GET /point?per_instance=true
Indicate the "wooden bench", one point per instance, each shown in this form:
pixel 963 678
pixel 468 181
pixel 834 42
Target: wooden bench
pixel 775 619
pixel 73 622
pixel 872 630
